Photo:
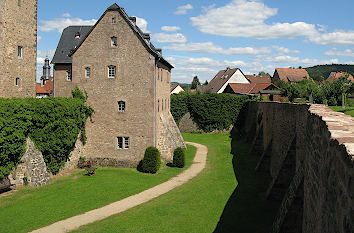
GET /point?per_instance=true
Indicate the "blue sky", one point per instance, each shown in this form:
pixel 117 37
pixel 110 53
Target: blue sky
pixel 200 37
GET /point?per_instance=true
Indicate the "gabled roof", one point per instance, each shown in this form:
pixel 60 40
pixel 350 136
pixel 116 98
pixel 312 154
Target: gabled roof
pixel 219 80
pixel 40 89
pixel 291 74
pixel 143 37
pixel 250 88
pixel 68 43
pixel 258 79
pixel 333 76
pixel 173 86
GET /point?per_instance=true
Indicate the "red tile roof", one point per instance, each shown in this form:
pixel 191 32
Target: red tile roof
pixel 40 89
pixel 258 79
pixel 252 88
pixel 333 76
pixel 291 74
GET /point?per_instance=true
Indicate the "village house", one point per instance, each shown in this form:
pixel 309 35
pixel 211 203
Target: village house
pixel 289 75
pixel 18 48
pixel 176 88
pixel 333 76
pixel 128 85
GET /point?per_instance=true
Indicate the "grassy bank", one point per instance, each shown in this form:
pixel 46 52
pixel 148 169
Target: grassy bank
pixel 347 110
pixel 32 208
pixel 207 203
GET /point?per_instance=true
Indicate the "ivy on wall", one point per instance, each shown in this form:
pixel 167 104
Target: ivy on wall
pixel 209 111
pixel 53 124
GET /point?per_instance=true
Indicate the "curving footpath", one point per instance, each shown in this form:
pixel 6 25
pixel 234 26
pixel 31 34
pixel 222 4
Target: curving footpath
pixel 132 201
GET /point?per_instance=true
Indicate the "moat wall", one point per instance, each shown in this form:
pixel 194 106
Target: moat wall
pixel 308 151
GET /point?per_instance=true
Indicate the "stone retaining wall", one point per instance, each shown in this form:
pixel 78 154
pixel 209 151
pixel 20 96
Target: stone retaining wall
pixel 308 150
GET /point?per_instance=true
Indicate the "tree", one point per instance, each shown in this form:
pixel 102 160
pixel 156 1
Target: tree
pixel 206 83
pixel 262 73
pixel 195 82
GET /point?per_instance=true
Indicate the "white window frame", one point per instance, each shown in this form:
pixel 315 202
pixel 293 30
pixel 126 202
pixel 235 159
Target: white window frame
pixel 123 143
pixel 88 72
pixel 114 41
pixel 121 106
pixel 20 52
pixel 69 76
pixel 112 71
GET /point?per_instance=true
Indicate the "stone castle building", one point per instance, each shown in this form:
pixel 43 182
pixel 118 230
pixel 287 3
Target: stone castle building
pixel 18 48
pixel 128 85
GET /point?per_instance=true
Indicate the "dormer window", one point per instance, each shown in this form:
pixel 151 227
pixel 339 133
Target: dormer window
pixel 121 106
pixel 112 71
pixel 114 41
pixel 114 19
pixel 19 51
pixel 77 35
pixel 87 72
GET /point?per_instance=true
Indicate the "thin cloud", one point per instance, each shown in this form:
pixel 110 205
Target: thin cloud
pixel 170 28
pixel 340 53
pixel 182 10
pixel 142 24
pixel 61 23
pixel 169 38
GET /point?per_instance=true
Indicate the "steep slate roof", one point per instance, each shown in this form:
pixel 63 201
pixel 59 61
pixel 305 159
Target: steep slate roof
pixel 68 43
pixel 292 75
pixel 251 88
pixel 219 80
pixel 258 79
pixel 333 76
pixel 143 37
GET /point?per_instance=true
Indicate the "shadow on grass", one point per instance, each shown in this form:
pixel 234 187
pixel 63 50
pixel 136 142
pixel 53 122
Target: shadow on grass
pixel 247 209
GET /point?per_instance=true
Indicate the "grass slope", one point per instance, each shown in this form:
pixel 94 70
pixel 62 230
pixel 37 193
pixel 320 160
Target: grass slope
pixel 347 110
pixel 207 203
pixel 32 208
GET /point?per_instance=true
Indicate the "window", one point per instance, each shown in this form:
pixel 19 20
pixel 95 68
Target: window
pixel 19 2
pixel 17 82
pixel 20 52
pixel 123 142
pixel 162 105
pixel 126 143
pixel 68 75
pixel 114 19
pixel 158 106
pixel 114 41
pixel 111 71
pixel 121 106
pixel 88 72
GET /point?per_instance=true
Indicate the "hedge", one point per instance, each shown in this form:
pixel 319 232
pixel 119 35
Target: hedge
pixel 151 161
pixel 210 111
pixel 53 124
pixel 178 157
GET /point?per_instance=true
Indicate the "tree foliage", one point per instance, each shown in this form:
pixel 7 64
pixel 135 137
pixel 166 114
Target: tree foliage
pixel 195 82
pixel 151 161
pixel 322 71
pixel 209 111
pixel 53 124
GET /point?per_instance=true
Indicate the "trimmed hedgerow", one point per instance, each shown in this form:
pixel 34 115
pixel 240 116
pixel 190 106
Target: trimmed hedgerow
pixel 178 157
pixel 210 111
pixel 151 161
pixel 53 124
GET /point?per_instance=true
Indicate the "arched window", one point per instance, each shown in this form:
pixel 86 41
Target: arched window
pixel 121 106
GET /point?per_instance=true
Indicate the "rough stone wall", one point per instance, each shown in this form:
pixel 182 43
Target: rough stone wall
pixel 187 125
pixel 33 167
pixel 321 199
pixel 169 137
pixel 18 27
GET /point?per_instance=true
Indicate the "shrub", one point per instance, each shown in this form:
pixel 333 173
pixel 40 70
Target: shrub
pixel 152 161
pixel 178 157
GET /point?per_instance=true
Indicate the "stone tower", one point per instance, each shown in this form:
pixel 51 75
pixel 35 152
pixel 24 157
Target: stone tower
pixel 18 48
pixel 46 72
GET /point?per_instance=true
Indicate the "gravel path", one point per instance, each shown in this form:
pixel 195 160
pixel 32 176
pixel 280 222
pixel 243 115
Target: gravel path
pixel 132 201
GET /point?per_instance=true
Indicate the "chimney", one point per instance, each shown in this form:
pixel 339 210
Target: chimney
pixel 159 51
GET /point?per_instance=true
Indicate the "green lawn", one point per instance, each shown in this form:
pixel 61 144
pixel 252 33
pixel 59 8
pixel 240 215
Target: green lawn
pixel 207 203
pixel 32 208
pixel 347 110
